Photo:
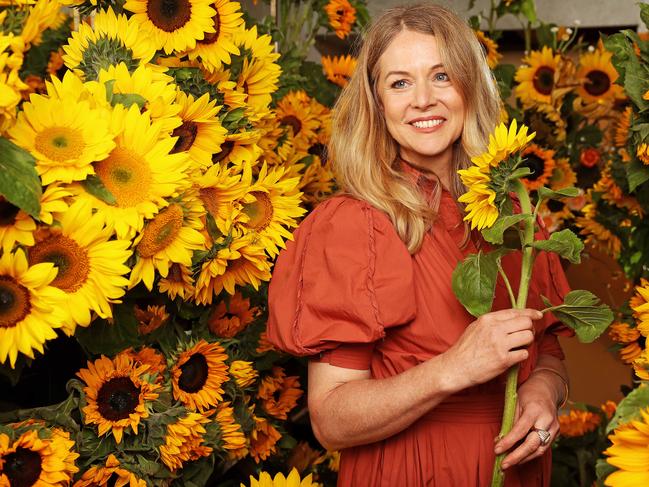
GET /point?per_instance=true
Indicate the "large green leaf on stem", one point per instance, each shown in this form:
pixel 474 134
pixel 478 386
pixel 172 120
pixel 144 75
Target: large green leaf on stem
pixel 603 469
pixel 545 193
pixel 581 312
pixel 636 173
pixel 630 407
pixel 19 182
pixel 474 281
pixel 528 9
pixel 565 243
pixel 495 233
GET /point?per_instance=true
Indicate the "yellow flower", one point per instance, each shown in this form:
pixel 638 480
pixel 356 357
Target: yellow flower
pixel 629 453
pixel 342 16
pixel 537 77
pixel 278 393
pixel 165 240
pixel 65 136
pixel 577 422
pixel 198 375
pixel 622 127
pixel 231 435
pixel 111 473
pixel 641 365
pixel 630 352
pixel 91 265
pixel 481 208
pixel 215 48
pixel 643 153
pixel 139 173
pixel 303 457
pixel 640 306
pixel 32 460
pixel 292 480
pixel 503 143
pixel 184 441
pixel 111 40
pixel 541 162
pixel 243 372
pixel 118 394
pixel 598 75
pixel 263 439
pixel 490 49
pixel 596 233
pixel 201 133
pixel 338 69
pixel 294 110
pixel 33 308
pixel 16 226
pixel 622 332
pixel 179 282
pixel 150 319
pixel 174 25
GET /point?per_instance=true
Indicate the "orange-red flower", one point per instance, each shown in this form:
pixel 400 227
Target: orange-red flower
pixel 589 157
pixel 278 393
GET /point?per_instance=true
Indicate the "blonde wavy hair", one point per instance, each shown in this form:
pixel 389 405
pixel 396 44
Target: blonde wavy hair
pixel 364 153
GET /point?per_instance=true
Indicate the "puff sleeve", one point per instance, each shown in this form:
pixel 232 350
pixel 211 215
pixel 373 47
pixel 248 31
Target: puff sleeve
pixel 341 283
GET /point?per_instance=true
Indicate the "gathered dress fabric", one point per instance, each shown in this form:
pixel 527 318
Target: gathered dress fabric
pixel 347 292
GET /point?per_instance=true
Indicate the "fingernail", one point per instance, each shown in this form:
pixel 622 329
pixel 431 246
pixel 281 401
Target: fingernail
pixel 504 466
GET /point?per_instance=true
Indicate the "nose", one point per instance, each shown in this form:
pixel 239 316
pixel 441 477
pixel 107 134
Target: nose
pixel 424 95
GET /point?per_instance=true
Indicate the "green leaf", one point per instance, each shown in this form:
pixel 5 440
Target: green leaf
pixel 603 469
pixel 96 187
pixel 630 407
pixel 521 172
pixel 19 182
pixel 635 82
pixel 474 20
pixel 544 35
pixel 474 281
pixel 644 14
pixel 104 338
pixel 545 193
pixel 565 243
pixel 636 174
pixel 581 312
pixel 495 234
pixel 528 9
pixel 128 99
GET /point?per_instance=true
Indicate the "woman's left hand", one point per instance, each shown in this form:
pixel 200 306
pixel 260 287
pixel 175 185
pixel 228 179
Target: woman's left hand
pixel 535 410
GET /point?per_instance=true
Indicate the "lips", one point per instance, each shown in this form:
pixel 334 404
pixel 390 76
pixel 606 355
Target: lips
pixel 426 122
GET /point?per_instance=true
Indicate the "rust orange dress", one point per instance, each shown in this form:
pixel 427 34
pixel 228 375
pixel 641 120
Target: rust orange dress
pixel 346 291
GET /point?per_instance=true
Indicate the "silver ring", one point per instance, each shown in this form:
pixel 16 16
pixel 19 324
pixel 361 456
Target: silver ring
pixel 544 436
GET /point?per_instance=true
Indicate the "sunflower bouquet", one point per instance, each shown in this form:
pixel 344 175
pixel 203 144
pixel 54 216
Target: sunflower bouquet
pixel 498 203
pixel 152 169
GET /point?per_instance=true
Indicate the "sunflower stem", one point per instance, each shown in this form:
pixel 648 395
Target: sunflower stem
pixel 509 411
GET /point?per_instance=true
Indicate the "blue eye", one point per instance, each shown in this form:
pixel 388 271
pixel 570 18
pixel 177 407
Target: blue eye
pixel 443 77
pixel 399 84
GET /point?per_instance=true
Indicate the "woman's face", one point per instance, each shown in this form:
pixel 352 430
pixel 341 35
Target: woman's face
pixel 423 111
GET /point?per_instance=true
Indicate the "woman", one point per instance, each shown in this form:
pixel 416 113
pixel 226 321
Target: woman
pixel 401 378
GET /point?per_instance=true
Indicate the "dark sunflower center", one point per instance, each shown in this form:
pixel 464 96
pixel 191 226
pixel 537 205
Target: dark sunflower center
pixel 292 121
pixel 186 134
pixel 112 480
pixel 226 148
pixel 598 83
pixel 15 302
pixel 556 206
pixel 105 52
pixel 260 211
pixel 536 165
pixel 340 12
pixel 193 373
pixel 169 15
pixel 544 80
pixel 118 398
pixel 23 467
pixel 70 259
pixel 319 150
pixel 212 37
pixel 8 213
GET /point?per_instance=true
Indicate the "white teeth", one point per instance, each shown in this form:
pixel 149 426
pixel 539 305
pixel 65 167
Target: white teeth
pixel 426 124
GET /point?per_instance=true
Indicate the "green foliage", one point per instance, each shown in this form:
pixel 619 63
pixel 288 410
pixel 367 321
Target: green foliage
pixel 38 56
pixel 547 193
pixel 495 234
pixel 102 337
pixel 565 243
pixel 629 408
pixel 603 469
pixel 581 312
pixel 474 281
pixel 19 182
pixel 93 185
pixel 637 173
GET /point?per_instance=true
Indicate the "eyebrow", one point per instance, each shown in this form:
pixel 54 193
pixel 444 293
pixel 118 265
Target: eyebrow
pixel 401 73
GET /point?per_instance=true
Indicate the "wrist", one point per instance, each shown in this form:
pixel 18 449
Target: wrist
pixel 556 383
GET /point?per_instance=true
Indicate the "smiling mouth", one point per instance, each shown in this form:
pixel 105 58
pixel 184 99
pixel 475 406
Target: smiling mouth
pixel 426 124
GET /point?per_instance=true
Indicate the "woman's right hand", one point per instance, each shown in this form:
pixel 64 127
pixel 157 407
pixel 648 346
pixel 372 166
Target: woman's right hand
pixel 492 343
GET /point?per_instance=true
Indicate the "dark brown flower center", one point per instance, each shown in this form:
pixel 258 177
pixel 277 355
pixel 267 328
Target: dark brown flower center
pixel 169 15
pixel 118 398
pixel 260 212
pixel 556 205
pixel 598 83
pixel 193 373
pixel 544 80
pixel 23 467
pixel 319 150
pixel 226 148
pixel 70 259
pixel 212 37
pixel 292 121
pixel 8 213
pixel 536 165
pixel 15 302
pixel 186 134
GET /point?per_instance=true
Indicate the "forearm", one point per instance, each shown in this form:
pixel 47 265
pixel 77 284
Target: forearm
pixel 550 371
pixel 366 411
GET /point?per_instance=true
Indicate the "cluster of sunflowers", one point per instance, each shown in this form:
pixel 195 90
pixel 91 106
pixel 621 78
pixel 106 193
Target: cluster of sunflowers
pixel 152 168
